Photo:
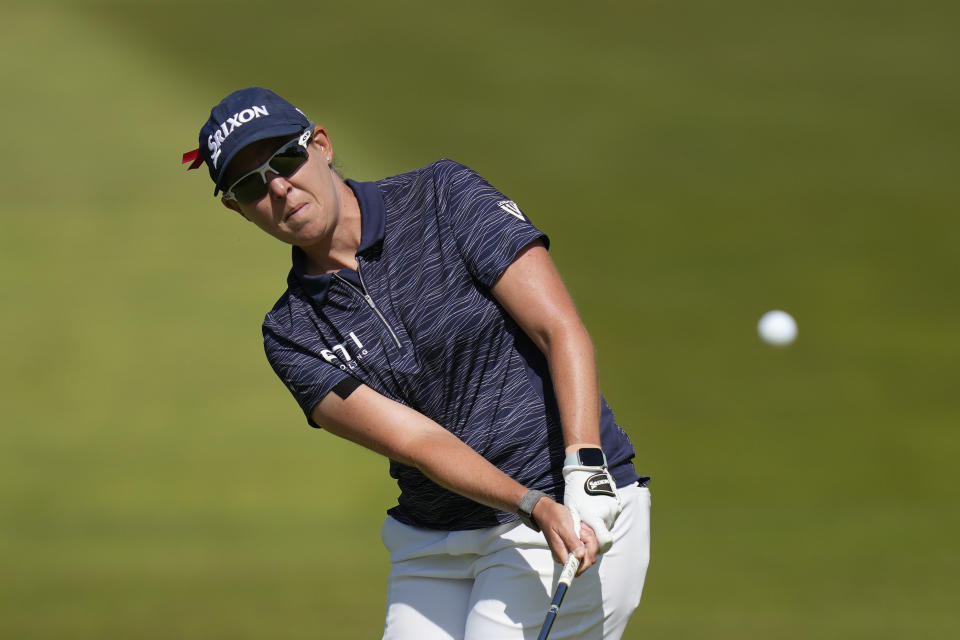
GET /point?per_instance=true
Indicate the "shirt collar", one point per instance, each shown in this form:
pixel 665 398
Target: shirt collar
pixel 372 230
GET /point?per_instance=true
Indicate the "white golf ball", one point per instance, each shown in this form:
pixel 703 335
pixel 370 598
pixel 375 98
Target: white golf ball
pixel 777 328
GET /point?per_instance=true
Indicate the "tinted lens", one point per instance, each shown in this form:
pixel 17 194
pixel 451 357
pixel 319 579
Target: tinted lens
pixel 287 161
pixel 250 189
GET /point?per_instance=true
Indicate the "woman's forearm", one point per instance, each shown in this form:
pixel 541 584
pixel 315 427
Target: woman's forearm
pixel 446 460
pixel 573 369
pixel 411 438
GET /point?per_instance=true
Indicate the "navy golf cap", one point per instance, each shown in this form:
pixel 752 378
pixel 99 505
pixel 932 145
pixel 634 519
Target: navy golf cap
pixel 243 117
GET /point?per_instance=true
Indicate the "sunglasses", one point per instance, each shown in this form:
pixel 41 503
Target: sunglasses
pixel 284 162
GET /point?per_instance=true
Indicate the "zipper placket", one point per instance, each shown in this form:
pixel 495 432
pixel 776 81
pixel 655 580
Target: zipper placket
pixel 371 303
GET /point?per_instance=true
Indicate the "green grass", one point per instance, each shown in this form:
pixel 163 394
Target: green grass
pixel 695 164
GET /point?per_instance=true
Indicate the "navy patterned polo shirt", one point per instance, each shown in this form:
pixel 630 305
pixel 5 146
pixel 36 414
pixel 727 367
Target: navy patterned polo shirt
pixel 417 323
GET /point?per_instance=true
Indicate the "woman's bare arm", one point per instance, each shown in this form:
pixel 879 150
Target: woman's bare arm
pixel 400 433
pixel 534 295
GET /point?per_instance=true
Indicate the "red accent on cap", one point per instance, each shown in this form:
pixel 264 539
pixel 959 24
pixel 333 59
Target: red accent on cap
pixel 192 157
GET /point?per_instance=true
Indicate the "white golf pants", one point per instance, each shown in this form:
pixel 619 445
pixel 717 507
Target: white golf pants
pixel 496 583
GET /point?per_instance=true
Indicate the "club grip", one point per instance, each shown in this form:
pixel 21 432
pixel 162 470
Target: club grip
pixel 569 570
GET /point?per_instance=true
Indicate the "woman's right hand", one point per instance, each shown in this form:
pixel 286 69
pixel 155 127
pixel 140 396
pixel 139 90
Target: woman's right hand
pixel 556 523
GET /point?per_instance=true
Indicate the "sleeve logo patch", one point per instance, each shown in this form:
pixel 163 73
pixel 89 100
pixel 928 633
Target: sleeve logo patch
pixel 599 485
pixel 511 207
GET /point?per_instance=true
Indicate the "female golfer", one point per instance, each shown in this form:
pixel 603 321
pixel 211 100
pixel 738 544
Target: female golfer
pixel 424 319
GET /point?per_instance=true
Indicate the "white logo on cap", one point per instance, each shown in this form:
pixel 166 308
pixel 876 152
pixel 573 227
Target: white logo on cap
pixel 235 121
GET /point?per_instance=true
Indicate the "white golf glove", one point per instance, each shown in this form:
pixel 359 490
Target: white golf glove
pixel 591 496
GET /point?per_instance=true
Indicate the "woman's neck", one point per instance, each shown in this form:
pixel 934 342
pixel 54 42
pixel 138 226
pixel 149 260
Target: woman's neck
pixel 341 248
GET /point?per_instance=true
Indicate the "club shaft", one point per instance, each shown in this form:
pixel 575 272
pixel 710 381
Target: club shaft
pixel 566 577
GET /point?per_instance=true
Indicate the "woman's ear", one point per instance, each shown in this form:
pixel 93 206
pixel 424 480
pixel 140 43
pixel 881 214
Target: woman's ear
pixel 322 140
pixel 233 206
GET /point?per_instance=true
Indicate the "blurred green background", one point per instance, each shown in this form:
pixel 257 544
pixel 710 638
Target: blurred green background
pixel 695 163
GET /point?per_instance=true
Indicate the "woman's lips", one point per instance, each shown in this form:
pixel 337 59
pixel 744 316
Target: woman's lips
pixel 294 212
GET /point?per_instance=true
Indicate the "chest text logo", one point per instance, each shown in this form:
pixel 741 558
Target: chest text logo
pixel 340 355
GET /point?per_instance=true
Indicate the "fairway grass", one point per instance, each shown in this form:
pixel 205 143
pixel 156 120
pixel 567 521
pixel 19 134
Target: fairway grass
pixel 695 166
